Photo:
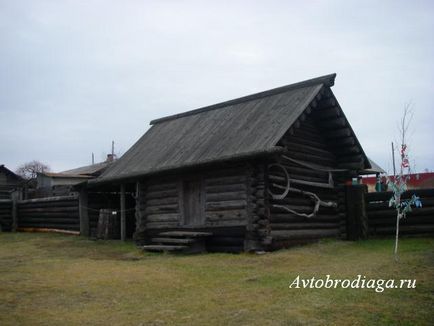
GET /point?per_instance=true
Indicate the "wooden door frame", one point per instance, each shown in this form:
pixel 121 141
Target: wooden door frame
pixel 181 198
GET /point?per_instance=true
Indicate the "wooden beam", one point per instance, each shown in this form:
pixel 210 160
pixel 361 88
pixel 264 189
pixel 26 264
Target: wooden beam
pixel 83 213
pixel 14 213
pixel 123 214
pixel 338 133
pixel 322 114
pixel 333 123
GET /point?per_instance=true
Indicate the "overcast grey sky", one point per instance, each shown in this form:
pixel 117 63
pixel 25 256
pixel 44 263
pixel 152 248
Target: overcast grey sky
pixel 75 75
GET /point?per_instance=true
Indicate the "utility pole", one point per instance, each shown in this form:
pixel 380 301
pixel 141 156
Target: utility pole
pixel 393 160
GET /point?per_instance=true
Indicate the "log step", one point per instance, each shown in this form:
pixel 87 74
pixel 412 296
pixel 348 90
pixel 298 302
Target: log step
pixel 173 240
pixel 163 248
pixel 185 234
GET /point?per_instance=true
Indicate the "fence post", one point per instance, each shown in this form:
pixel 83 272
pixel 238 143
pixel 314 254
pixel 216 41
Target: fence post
pixel 357 220
pixel 83 212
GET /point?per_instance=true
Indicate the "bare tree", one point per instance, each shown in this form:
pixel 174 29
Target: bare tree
pixel 30 170
pixel 398 184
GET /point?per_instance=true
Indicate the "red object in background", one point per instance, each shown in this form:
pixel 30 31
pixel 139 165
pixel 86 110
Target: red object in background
pixel 416 181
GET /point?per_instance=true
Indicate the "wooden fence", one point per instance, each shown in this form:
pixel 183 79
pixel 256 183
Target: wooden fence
pixel 50 213
pixel 6 207
pixel 382 218
pixel 77 214
pixel 366 213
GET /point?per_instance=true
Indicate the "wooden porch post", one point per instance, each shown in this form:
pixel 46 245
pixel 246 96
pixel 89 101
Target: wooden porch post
pixel 123 214
pixel 83 212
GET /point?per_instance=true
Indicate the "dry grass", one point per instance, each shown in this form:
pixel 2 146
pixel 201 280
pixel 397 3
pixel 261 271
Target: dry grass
pixel 48 279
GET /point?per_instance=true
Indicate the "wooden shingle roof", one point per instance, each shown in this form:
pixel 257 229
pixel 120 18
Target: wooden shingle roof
pixel 238 128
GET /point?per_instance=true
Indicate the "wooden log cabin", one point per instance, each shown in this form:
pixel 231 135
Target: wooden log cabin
pixel 259 172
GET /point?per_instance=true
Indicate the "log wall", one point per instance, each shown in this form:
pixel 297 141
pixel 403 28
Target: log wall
pixel 382 218
pixel 51 213
pixel 5 215
pixel 226 206
pixel 308 144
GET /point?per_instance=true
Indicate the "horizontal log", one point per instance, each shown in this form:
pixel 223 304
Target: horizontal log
pixel 225 223
pixel 342 142
pixel 46 214
pixel 314 135
pixel 224 196
pixel 225 180
pixel 296 147
pixel 427 219
pixel 162 186
pixel 316 159
pixel 161 225
pixel 161 194
pixel 297 208
pixel 47 209
pixel 338 133
pixel 326 113
pixel 61 220
pixel 299 170
pixel 426 202
pixel 163 217
pixel 392 212
pixel 45 230
pixel 386 195
pixel 48 199
pixel 303 226
pixel 225 188
pixel 351 166
pixel 50 226
pixel 162 201
pixel 311 183
pixel 328 101
pixel 225 241
pixel 304 234
pixel 290 218
pixel 68 203
pixel 304 141
pixel 228 249
pixel 161 209
pixel 226 215
pixel 353 158
pixel 226 205
pixel 337 122
pixel 407 229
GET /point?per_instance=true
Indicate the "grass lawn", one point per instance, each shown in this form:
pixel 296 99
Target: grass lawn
pixel 50 279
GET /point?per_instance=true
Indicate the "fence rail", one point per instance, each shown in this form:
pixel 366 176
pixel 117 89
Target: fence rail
pixel 382 218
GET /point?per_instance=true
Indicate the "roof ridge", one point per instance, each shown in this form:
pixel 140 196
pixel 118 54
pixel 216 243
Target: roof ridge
pixel 327 80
